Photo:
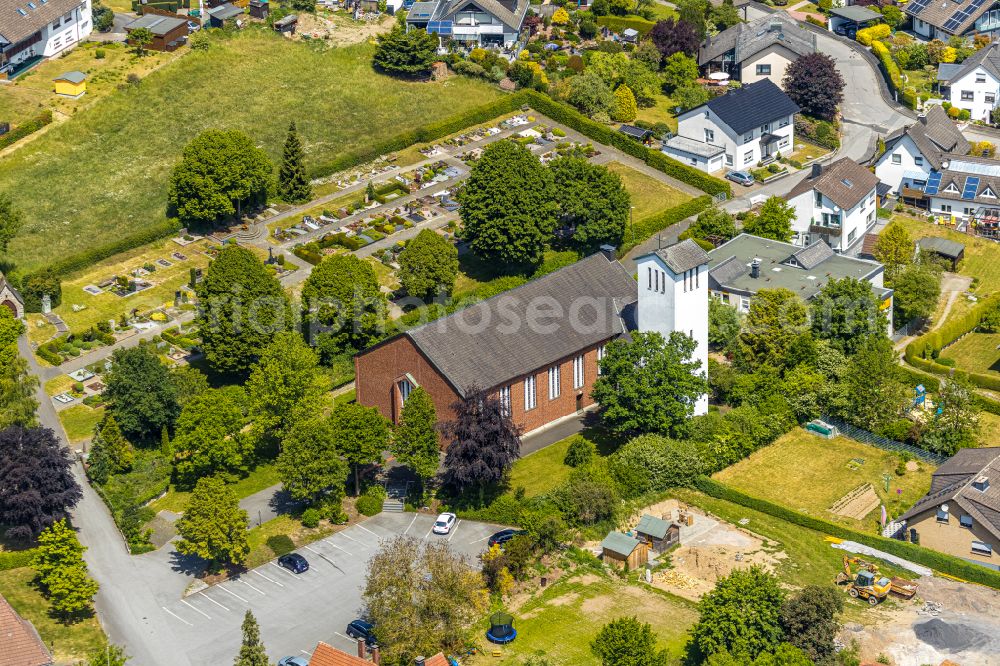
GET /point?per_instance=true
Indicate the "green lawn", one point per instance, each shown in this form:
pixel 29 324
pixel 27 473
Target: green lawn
pixel 68 642
pixel 79 421
pixel 103 174
pixel 980 255
pixel 649 195
pixel 919 79
pixel 542 470
pixel 264 476
pixel 976 352
pixel 661 112
pixel 661 12
pixel 809 474
pixel 805 151
pixel 279 536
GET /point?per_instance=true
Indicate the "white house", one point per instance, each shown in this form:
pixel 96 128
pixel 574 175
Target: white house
pixel 736 130
pixel 32 29
pixel 470 22
pixel 935 19
pixel 966 189
pixel 673 296
pixel 974 84
pixel 835 204
pixel 911 153
pixel 760 49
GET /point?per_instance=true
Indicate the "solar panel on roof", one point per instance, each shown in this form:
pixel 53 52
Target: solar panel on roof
pixel 933 183
pixel 971 187
pixel 917 6
pixel 959 17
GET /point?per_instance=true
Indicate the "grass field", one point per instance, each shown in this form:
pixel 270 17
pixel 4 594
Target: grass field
pixel 79 421
pixel 542 470
pixel 264 476
pixel 809 474
pixel 103 174
pixel 976 352
pixel 805 151
pixel 662 111
pixel 980 255
pixel 649 195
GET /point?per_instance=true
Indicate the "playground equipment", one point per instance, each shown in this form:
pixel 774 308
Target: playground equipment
pixel 502 629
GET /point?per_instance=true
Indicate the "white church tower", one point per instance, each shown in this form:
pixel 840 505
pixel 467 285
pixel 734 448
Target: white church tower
pixel 673 296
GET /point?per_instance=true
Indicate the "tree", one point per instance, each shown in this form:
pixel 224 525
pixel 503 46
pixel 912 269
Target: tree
pixel 694 13
pixel 415 441
pixel 690 96
pixel 714 224
pixel 213 526
pixel 189 383
pixel 589 93
pixel 110 452
pixel 311 468
pixel 17 392
pixel 345 309
pixel 893 249
pixel 140 394
pixel 109 655
pixel 560 17
pixel 104 19
pixel 423 598
pixel 776 318
pixel 846 312
pixel 646 53
pixel 624 109
pixel 957 426
pixel 219 171
pixel 741 615
pixel 140 38
pixel 809 618
pixel 724 16
pixel 208 438
pixel 62 573
pixel 628 641
pixel 293 184
pixel 672 37
pixel 774 220
pixel 428 265
pixel 483 442
pixel 814 83
pixel 252 651
pixel 649 384
pixel 242 308
pixel 283 384
pixel 723 323
pixel 892 16
pixel 11 221
pixel 592 202
pixel 917 288
pixel 361 434
pixel 874 392
pixel 785 654
pixel 680 70
pixel 405 53
pixel 508 211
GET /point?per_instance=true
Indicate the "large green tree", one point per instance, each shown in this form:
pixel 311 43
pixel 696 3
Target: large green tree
pixel 283 384
pixel 589 93
pixel 17 394
pixel 846 312
pixel 508 209
pixel 62 573
pixel 252 652
pixel 809 618
pixel 11 221
pixel 814 83
pixel 344 307
pixel 741 615
pixel 293 184
pixel 777 317
pixel 680 70
pixel 957 426
pixel 917 288
pixel 311 468
pixel 208 438
pixel 592 201
pixel 428 265
pixel 626 640
pixel 774 220
pixel 110 452
pixel 242 308
pixel 405 53
pixel 219 171
pixel 415 440
pixel 140 394
pixel 894 249
pixel 361 434
pixel 213 526
pixel 873 389
pixel 723 324
pixel 649 384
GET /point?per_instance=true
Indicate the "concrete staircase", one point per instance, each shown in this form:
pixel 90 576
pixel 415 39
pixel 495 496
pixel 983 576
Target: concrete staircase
pixel 395 501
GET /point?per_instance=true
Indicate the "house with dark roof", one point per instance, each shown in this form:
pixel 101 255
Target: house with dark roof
pixel 20 644
pixel 941 19
pixel 31 30
pixel 913 152
pixel 960 514
pixel 973 84
pixel 736 130
pixel 760 49
pixel 964 190
pixel 834 203
pixel 470 22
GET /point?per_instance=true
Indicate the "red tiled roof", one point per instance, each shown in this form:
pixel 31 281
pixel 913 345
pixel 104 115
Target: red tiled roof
pixel 20 644
pixel 437 660
pixel 327 655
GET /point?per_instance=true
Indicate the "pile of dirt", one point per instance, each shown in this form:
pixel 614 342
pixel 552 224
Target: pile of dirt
pixel 950 637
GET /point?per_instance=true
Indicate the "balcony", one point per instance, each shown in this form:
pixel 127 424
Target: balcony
pixel 826 229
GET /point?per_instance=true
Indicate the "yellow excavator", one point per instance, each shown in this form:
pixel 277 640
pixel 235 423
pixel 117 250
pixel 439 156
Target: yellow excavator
pixel 866 583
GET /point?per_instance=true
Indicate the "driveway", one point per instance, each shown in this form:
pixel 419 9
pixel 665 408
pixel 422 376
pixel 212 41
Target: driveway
pixel 297 611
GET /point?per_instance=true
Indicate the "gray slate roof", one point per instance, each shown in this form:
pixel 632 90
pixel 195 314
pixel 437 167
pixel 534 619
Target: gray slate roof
pixel 938 12
pixel 72 77
pixel 752 105
pixel 856 13
pixel 942 246
pixel 158 25
pixel 226 11
pixel 845 183
pixel 683 256
pixel 751 38
pixel 5 283
pixel 510 12
pixel 471 355
pixel 14 27
pixel 934 135
pixel 988 57
pixel 653 526
pixel 619 543
pixel 814 255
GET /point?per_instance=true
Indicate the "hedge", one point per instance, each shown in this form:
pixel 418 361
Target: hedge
pixel 948 564
pixel 868 36
pixel 656 223
pixel 892 72
pixel 16 559
pixel 88 258
pixel 24 129
pixel 619 23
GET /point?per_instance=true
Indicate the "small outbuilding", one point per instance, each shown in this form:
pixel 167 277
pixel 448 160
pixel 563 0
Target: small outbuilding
pixel 658 534
pixel 223 15
pixel 287 24
pixel 630 35
pixel 10 298
pixel 71 84
pixel 850 19
pixel 259 9
pixel 169 32
pixel 624 551
pixel 639 134
pixel 948 250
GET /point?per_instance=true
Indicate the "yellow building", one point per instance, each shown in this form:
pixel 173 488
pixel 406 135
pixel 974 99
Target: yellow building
pixel 71 84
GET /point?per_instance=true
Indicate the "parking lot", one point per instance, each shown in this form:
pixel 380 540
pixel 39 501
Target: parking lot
pixel 297 611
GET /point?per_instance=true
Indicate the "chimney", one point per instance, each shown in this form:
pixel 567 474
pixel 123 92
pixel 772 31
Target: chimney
pixel 755 268
pixel 361 648
pixel 609 252
pixel 817 170
pixel 376 655
pixel 419 661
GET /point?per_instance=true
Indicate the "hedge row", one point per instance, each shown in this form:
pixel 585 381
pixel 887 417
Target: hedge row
pixel 24 129
pixel 656 223
pixel 16 559
pixel 892 71
pixel 86 259
pixel 947 564
pixel 867 36
pixel 619 23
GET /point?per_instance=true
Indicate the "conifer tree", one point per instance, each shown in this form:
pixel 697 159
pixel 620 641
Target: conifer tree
pixel 293 185
pixel 415 443
pixel 625 109
pixel 252 651
pixel 110 452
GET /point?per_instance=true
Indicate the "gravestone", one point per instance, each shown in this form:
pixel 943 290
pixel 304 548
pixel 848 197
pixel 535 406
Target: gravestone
pixel 46 304
pixel 177 298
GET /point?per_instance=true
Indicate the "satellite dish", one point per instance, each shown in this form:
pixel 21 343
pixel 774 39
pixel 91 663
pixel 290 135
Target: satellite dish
pixel 944 507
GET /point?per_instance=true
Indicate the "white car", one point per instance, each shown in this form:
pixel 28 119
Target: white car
pixel 444 523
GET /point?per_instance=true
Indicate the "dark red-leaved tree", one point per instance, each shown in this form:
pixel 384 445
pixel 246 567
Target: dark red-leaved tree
pixel 37 487
pixel 484 443
pixel 814 83
pixel 675 37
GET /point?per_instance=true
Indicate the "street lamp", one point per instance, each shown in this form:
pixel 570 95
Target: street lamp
pixel 631 221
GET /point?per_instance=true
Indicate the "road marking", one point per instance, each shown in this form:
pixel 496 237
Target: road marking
pixel 232 593
pixel 410 525
pixel 252 587
pixel 343 636
pixel 177 616
pixel 362 527
pixel 339 548
pixel 214 601
pixel 196 610
pixel 344 534
pixel 428 532
pixel 268 579
pixel 305 653
pixel 454 529
pixel 283 569
pixel 479 540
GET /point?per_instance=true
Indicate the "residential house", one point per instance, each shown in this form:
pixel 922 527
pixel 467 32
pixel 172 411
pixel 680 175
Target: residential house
pixel 913 152
pixel 622 550
pixel 327 655
pixel 940 19
pixel 10 298
pixel 973 84
pixel 20 644
pixel 537 347
pixel 835 203
pixel 169 32
pixel 736 130
pixel 963 191
pixel 960 515
pixel 741 267
pixel 31 30
pixel 470 22
pixel 760 49
pixel 71 84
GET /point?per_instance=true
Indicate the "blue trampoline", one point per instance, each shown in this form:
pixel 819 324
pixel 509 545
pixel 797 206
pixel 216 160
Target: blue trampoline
pixel 502 629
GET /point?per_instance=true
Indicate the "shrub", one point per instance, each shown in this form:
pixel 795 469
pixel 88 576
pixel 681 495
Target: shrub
pixel 868 35
pixel 24 129
pixel 580 452
pixel 99 54
pixel 654 463
pixel 368 505
pixel 310 518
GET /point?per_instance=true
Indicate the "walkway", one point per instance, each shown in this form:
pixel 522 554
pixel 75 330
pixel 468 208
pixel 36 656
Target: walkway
pixel 953 285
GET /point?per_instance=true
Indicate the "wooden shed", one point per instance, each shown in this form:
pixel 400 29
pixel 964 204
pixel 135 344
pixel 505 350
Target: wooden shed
pixel 948 250
pixel 624 550
pixel 259 9
pixel 657 533
pixel 71 84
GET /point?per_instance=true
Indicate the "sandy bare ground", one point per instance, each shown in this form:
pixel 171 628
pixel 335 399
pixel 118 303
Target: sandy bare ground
pixel 341 31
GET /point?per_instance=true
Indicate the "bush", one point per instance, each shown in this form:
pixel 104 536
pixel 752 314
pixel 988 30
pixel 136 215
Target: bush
pixel 99 54
pixel 310 518
pixel 15 559
pixel 652 463
pixel 868 35
pixel 24 129
pixel 580 452
pixel 368 505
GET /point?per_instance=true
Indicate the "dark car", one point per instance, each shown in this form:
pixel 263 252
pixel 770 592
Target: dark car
pixel 503 536
pixel 294 563
pixel 360 629
pixel 848 31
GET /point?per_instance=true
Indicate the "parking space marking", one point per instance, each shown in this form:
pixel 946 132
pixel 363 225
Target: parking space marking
pixel 480 540
pixel 348 638
pixel 196 609
pixel 454 529
pixel 176 616
pixel 214 601
pixel 362 527
pixel 362 543
pixel 261 592
pixel 268 579
pixel 338 548
pixel 429 532
pixel 410 525
pixel 220 587
pixel 283 569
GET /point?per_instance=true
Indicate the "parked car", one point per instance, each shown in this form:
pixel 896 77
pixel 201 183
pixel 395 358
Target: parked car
pixel 849 31
pixel 741 177
pixel 292 661
pixel 358 629
pixel 294 563
pixel 444 523
pixel 503 536
pixel 194 26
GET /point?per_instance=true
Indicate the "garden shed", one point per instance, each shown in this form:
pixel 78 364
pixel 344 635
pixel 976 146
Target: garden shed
pixel 624 550
pixel 949 250
pixel 259 8
pixel 637 133
pixel 71 84
pixel 224 15
pixel 657 533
